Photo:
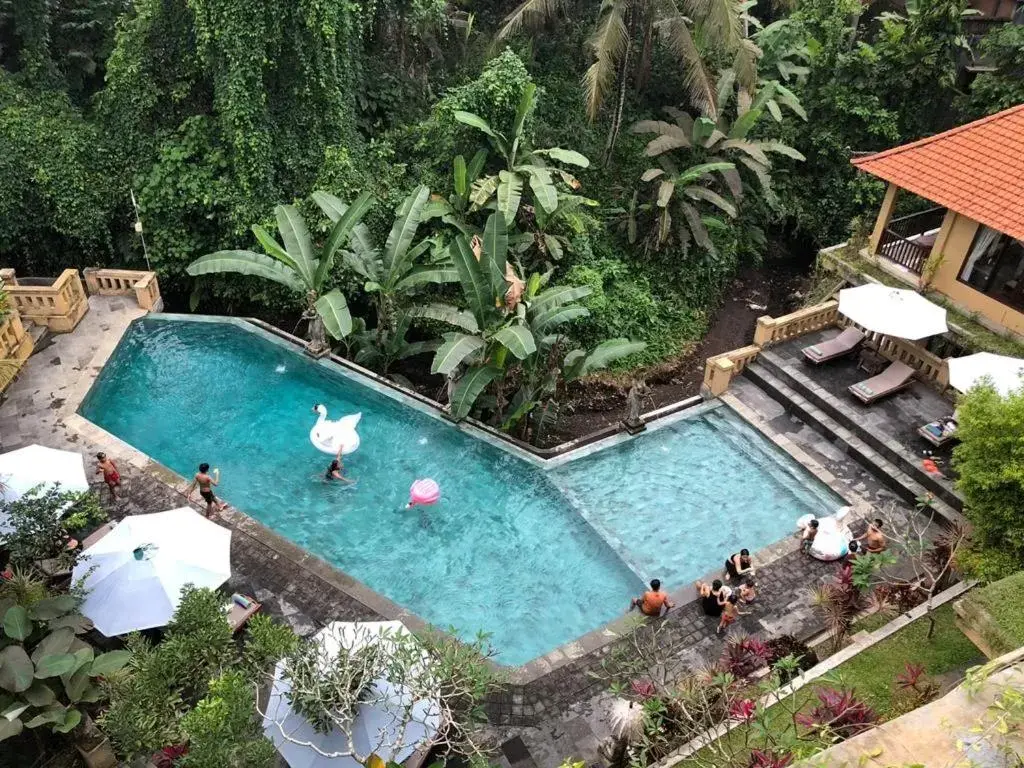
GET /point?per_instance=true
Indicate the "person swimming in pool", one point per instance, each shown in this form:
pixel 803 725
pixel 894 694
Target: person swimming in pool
pixel 334 470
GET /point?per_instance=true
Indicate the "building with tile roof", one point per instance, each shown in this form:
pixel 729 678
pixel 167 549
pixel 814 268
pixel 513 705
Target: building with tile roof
pixel 970 245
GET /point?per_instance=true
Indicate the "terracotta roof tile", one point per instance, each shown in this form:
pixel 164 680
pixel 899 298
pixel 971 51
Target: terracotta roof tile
pixel 976 169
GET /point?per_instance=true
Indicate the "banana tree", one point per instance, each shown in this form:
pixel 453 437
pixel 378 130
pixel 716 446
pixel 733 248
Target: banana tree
pixel 543 237
pixel 46 671
pixel 298 266
pixel 453 209
pixel 535 406
pixel 681 192
pixel 525 168
pixel 392 274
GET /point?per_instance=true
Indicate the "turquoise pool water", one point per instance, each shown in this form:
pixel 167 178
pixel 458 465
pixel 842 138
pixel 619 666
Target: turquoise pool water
pixel 533 557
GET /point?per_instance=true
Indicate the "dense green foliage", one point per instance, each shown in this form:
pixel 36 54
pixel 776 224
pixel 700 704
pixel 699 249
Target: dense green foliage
pixel 209 113
pixel 43 522
pixel 196 686
pixel 990 463
pixel 48 674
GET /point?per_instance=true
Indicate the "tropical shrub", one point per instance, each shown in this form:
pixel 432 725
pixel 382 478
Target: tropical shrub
pixel 512 326
pixel 990 463
pixel 785 646
pixel 744 655
pixel 179 689
pixel 838 713
pixel 223 728
pixel 393 275
pixel 42 522
pixel 525 167
pixel 47 673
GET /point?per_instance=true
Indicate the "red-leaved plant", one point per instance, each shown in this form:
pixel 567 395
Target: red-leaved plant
pixel 742 709
pixel 761 759
pixel 744 655
pixel 914 688
pixel 839 712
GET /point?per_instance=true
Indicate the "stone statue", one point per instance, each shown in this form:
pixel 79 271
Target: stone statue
pixel 637 392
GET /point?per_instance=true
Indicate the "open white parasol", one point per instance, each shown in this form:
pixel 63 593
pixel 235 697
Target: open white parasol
pixel 892 311
pixel 1006 373
pixel 134 574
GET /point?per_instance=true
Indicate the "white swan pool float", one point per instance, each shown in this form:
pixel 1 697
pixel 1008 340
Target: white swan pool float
pixel 329 436
pixel 833 539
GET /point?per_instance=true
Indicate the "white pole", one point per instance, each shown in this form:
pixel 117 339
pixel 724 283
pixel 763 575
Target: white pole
pixel 138 228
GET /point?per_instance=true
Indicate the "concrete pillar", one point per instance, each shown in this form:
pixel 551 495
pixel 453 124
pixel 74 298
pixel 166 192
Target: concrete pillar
pixel 884 215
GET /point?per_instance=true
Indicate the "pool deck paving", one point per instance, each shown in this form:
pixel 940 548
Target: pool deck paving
pixel 561 711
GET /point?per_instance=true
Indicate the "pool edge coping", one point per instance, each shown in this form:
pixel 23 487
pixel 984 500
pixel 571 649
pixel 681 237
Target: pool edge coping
pixel 521 674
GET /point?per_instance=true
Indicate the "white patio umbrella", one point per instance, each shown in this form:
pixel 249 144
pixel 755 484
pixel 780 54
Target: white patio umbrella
pixel 892 311
pixel 24 469
pixel 389 722
pixel 134 574
pixel 1007 373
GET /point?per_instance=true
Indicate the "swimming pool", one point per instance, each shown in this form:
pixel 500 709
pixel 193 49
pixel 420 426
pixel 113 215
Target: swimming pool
pixel 535 557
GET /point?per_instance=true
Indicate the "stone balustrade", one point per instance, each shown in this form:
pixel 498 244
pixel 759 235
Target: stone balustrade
pixel 720 369
pixel 125 282
pixel 929 367
pixel 15 344
pixel 774 329
pixel 58 304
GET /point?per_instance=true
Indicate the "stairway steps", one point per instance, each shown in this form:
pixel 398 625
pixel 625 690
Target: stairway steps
pixel 898 481
pixel 895 453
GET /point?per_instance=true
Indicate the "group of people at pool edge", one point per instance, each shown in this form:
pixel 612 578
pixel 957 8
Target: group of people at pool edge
pixel 721 600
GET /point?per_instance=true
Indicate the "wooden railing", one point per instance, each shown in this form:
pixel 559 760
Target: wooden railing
pixel 59 306
pixel 720 370
pixel 897 244
pixel 123 282
pixel 774 329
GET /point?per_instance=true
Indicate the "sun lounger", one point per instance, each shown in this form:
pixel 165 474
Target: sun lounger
pixel 839 345
pixel 894 378
pixel 939 432
pixel 239 615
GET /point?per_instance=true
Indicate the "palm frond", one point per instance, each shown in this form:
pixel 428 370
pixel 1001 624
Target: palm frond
pixel 721 21
pixel 530 14
pixel 700 87
pixel 608 43
pixel 669 136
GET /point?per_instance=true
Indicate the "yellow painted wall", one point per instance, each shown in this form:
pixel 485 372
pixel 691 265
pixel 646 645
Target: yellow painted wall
pixel 954 242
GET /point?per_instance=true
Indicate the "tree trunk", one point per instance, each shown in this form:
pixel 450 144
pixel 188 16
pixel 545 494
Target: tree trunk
pixel 643 72
pixel 613 131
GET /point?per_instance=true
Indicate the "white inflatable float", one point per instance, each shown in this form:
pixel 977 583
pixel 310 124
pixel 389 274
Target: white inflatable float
pixel 833 539
pixel 329 436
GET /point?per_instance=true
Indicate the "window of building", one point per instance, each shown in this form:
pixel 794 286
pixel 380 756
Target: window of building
pixel 995 267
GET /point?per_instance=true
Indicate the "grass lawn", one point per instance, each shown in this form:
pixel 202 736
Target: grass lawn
pixel 872 673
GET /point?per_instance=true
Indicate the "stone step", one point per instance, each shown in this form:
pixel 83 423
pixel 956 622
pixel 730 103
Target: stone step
pixel 893 451
pixel 898 481
pixel 41 336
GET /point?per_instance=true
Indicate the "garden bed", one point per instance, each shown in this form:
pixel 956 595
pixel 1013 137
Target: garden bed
pixel 882 682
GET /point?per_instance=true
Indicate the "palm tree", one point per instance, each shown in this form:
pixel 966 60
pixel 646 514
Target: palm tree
pixel 298 267
pixel 717 24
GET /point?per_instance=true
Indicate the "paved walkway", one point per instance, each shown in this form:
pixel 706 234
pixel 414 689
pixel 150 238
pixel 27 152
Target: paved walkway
pixel 559 715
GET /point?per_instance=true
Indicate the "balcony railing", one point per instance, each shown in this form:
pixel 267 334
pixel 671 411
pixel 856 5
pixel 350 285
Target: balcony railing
pixel 904 242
